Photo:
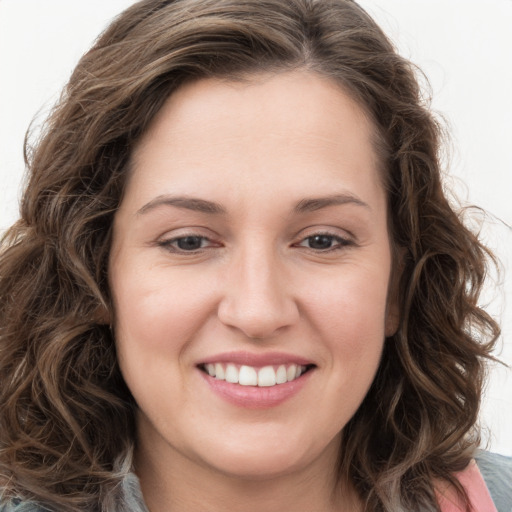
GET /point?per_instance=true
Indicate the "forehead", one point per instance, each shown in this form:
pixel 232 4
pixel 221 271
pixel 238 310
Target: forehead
pixel 275 127
pixel 309 99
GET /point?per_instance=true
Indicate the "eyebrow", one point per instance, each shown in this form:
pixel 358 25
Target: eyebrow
pixel 187 203
pixel 317 203
pixel 203 206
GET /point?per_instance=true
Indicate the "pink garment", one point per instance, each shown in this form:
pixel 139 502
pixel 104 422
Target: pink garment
pixel 473 482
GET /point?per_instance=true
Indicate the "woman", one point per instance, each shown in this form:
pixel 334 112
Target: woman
pixel 236 282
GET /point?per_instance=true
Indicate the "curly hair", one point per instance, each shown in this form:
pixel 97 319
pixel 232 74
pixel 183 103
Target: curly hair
pixel 67 417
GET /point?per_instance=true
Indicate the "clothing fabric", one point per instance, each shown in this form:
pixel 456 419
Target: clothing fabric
pixel 487 480
pixel 497 472
pixel 476 488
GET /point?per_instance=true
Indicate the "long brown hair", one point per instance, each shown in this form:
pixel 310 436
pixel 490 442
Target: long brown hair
pixel 67 418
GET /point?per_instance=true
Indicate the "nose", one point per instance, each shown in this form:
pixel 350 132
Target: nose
pixel 257 298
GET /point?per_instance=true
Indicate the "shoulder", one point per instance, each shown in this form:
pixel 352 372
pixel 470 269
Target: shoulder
pixel 487 481
pixel 126 498
pixel 497 473
pixel 20 506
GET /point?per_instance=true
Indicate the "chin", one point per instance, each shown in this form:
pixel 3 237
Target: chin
pixel 262 459
pixel 257 467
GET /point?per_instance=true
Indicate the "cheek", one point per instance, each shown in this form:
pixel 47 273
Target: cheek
pixel 157 312
pixel 353 298
pixel 347 321
pixel 350 316
pixel 157 317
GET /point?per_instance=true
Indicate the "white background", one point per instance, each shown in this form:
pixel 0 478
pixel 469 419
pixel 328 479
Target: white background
pixel 463 46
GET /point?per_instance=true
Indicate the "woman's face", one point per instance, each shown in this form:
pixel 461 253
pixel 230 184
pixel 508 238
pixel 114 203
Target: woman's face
pixel 251 246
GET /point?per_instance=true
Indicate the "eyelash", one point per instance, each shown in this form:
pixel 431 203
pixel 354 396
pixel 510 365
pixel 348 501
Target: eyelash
pixel 171 244
pixel 342 243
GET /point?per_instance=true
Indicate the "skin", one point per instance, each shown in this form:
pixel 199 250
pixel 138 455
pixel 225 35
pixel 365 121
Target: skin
pixel 257 283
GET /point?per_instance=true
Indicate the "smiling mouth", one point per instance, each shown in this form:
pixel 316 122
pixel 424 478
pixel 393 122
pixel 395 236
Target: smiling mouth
pixel 266 376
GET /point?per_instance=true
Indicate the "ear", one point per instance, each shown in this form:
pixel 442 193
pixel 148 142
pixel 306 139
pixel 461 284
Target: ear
pixel 102 315
pixel 392 320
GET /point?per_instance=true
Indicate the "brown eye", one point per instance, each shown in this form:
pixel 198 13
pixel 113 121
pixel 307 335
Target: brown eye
pixel 324 242
pixel 321 242
pixel 189 243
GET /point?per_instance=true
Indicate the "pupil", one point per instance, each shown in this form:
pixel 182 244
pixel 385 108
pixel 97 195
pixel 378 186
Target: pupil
pixel 189 243
pixel 320 242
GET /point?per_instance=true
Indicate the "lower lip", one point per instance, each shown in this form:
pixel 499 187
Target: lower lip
pixel 254 397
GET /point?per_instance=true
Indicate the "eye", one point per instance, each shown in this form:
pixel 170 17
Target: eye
pixel 324 242
pixel 188 243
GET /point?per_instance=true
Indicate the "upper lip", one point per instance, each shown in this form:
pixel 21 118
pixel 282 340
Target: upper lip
pixel 257 360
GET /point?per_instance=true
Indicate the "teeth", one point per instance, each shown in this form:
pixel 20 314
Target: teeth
pixel 266 377
pixel 219 372
pixel 248 376
pixel 281 376
pixel 232 374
